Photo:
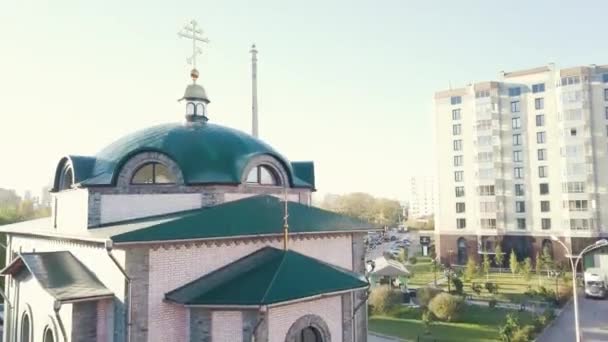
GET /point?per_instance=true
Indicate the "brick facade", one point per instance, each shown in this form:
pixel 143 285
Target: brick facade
pixel 281 318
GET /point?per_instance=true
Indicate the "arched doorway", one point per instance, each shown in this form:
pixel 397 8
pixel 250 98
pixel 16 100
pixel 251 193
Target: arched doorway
pixel 461 244
pixel 547 248
pixel 309 334
pixel 26 328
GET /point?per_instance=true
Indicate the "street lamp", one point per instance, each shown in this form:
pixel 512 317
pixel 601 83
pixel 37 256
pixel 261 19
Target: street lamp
pixel 574 264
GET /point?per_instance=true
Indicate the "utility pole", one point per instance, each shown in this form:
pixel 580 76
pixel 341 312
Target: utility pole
pixel 254 90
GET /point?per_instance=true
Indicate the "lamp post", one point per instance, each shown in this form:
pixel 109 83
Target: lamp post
pixel 574 265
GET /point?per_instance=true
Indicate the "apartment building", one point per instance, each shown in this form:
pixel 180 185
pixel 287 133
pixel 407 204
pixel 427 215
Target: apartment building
pixel 422 197
pixel 522 159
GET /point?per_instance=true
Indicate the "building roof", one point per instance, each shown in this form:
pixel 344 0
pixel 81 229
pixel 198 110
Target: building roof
pixel 267 276
pixel 391 268
pixel 62 275
pixel 206 153
pixel 256 215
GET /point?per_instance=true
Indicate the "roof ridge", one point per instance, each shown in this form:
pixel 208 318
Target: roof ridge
pixel 274 277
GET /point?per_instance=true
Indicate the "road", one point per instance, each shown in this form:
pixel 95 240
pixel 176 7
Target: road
pixel 593 316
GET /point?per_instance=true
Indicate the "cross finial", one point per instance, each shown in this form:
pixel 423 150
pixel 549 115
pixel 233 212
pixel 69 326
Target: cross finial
pixel 192 31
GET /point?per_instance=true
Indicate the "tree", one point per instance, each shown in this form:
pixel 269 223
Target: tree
pixel 506 331
pixel 427 320
pixel 485 266
pixel 470 271
pixel 547 260
pixel 499 256
pixel 458 285
pixel 526 268
pixel 435 267
pixel 513 263
pixel 381 211
pixel 403 256
pixel 383 299
pixel 539 267
pixel 446 306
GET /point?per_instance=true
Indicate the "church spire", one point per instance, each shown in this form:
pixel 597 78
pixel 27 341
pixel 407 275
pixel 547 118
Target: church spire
pixel 195 95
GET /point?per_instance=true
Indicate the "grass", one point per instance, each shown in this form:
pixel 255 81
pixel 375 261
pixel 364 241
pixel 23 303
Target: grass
pixel 476 324
pixel 422 274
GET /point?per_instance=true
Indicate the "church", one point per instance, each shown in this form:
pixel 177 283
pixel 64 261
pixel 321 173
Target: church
pixel 187 231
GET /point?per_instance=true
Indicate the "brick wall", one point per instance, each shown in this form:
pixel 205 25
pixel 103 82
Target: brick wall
pixel 281 318
pixel 173 267
pixel 226 326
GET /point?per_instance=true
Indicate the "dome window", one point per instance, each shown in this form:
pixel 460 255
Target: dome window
pixel 200 109
pixel 48 335
pixel 263 175
pixel 153 173
pixel 190 108
pixel 66 179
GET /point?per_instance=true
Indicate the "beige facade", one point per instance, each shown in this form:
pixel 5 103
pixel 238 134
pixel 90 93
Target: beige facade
pixel 524 158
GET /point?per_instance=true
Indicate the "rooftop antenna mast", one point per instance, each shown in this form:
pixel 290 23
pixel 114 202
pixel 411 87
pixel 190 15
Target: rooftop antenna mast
pixel 192 31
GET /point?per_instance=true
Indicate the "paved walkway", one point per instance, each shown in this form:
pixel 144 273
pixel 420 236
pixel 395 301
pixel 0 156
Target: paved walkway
pixel 593 315
pixel 380 338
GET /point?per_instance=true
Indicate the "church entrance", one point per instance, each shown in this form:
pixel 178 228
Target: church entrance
pixel 309 334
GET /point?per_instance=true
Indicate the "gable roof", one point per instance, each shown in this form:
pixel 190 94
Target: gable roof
pixel 267 276
pixel 392 268
pixel 252 216
pixel 62 275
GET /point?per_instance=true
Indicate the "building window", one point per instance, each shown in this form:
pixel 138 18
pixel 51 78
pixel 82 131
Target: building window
pixel 516 139
pixel 455 114
pixel 454 100
pixel 540 120
pixel 605 78
pixel 521 223
pixel 516 123
pixel 606 130
pixel 541 137
pixel 542 154
pixel 457 160
pixel 66 180
pixel 152 173
pixel 579 224
pixel 544 188
pixel 545 206
pixel 515 107
pixel 482 93
pixel 606 94
pixel 518 172
pixel 485 190
pixel 539 103
pixel 462 251
pixel 460 207
pixel 263 175
pixel 572 132
pixel 48 335
pixel 543 171
pixel 459 176
pixel 515 91
pixel 190 108
pixel 309 334
pixel 546 223
pixel 457 145
pixel 26 328
pixel 570 80
pixel 456 129
pixel 517 156
pixel 488 223
pixel 520 207
pixel 460 191
pixel 574 187
pixel 538 88
pixel 576 205
pixel 461 223
pixel 487 207
pixel 519 189
pixel 606 112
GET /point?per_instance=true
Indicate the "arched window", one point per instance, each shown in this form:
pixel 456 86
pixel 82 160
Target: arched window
pixel 462 251
pixel 26 328
pixel 200 109
pixel 263 175
pixel 66 179
pixel 309 334
pixel 547 248
pixel 190 108
pixel 48 335
pixel 153 173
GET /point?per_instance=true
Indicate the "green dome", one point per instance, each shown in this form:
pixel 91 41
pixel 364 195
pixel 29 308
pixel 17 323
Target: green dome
pixel 206 154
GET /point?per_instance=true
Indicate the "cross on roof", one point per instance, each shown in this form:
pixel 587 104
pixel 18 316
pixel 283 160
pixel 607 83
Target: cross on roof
pixel 191 31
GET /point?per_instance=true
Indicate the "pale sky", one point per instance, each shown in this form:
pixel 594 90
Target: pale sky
pixel 347 84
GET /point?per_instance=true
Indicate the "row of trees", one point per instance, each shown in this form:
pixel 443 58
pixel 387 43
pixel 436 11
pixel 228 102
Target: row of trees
pixel 381 211
pixel 14 208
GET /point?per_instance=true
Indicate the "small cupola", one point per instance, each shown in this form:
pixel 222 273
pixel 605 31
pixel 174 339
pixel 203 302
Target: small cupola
pixel 196 100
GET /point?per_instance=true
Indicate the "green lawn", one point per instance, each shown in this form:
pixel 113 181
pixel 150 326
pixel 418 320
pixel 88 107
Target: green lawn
pixel 422 274
pixel 476 324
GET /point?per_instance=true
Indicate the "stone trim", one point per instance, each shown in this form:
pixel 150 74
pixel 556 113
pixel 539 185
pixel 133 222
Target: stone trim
pixel 138 267
pixel 269 161
pixel 309 321
pixel 135 162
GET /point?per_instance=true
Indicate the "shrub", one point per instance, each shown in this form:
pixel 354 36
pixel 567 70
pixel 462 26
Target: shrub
pixel 523 334
pixel 476 287
pixel 492 303
pixel 491 287
pixel 426 294
pixel 458 285
pixel 413 260
pixel 427 320
pixel 446 306
pixel 506 331
pixel 383 299
pixel 471 270
pixel 564 294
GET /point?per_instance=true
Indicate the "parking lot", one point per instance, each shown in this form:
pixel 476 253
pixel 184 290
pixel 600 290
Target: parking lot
pixel 391 242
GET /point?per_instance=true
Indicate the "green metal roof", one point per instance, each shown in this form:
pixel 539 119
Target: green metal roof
pixel 257 215
pixel 265 277
pixel 206 154
pixel 62 275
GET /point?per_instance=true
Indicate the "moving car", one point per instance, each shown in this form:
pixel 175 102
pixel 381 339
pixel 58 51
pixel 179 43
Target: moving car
pixel 595 283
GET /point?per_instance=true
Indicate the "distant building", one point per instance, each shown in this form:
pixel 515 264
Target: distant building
pixel 522 159
pixel 422 197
